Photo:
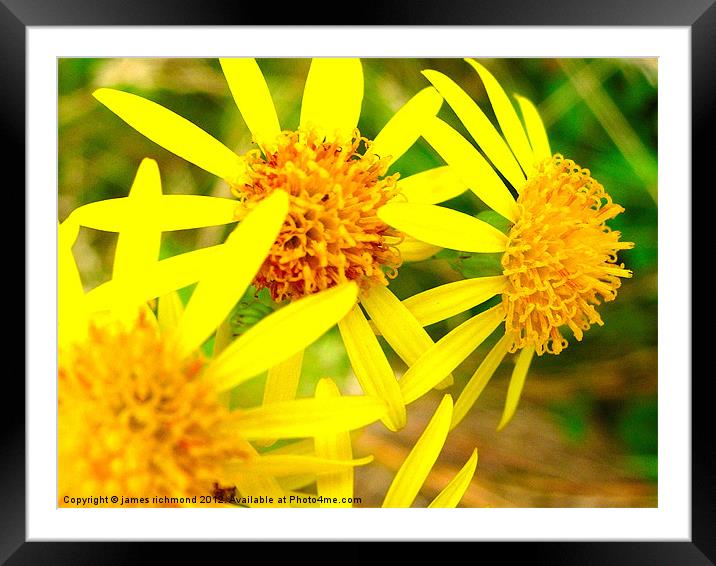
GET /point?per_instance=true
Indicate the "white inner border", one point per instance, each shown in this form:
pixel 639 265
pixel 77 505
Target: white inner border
pixel 670 521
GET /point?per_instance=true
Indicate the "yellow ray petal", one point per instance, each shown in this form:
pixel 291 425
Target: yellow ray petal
pixel 371 367
pixel 479 379
pixel 432 186
pixel 169 312
pixel 174 133
pixel 333 96
pixel 280 335
pixel 447 353
pixel 294 483
pixel 223 336
pixel 479 126
pixel 302 418
pixel 535 129
pixel 252 484
pixel 471 167
pixel 414 250
pixel 443 227
pixel 507 117
pixel 397 324
pixel 447 300
pixel 165 276
pixel 169 212
pixel 417 465
pixel 71 306
pixel 517 382
pixel 303 447
pixel 282 379
pixel 404 128
pixel 338 485
pixel 138 242
pixel 225 282
pixel 282 383
pixel 452 493
pixel 288 465
pixel 252 96
pixel 445 383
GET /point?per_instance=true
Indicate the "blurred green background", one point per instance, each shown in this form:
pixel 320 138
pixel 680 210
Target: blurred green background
pixel 585 433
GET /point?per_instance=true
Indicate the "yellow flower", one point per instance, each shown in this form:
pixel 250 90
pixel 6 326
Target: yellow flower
pixel 336 489
pixel 333 233
pixel 139 412
pixel 559 258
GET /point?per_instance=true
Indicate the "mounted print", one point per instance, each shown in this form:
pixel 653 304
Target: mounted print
pixel 357 282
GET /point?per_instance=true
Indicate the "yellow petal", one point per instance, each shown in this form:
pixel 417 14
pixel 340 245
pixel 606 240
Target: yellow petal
pixel 225 282
pixel 447 300
pixel 300 481
pixel 535 129
pixel 281 334
pixel 414 250
pixel 252 484
pixel 417 465
pixel 173 132
pixel 71 306
pixel 303 447
pixel 169 212
pixel 443 227
pixel 138 243
pixel 282 383
pixel 165 276
pixel 223 336
pixel 287 465
pixel 338 485
pixel 452 493
pixel 479 379
pixel 517 382
pixel 471 167
pixel 252 96
pixel 507 117
pixel 432 186
pixel 449 381
pixel 169 312
pixel 333 96
pixel 397 324
pixel 371 367
pixel 282 379
pixel 302 418
pixel 479 127
pixel 405 127
pixel 447 353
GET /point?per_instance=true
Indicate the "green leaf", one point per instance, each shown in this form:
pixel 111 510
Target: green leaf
pixel 478 265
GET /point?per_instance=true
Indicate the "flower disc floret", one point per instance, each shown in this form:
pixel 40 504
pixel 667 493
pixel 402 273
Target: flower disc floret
pixel 332 233
pixel 136 420
pixel 561 259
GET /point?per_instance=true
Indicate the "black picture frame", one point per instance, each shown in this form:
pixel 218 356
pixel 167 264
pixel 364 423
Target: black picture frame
pixel 17 15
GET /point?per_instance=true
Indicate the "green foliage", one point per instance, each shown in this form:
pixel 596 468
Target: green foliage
pixel 574 416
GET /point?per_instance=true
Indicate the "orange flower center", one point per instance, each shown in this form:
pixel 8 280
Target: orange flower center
pixel 135 421
pixel 561 259
pixel 332 233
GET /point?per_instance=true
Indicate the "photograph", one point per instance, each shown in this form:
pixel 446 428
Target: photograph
pixel 376 282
